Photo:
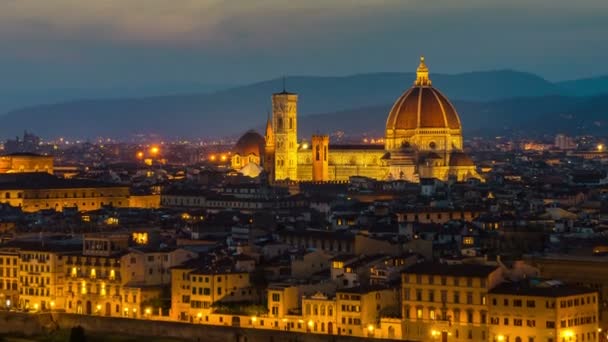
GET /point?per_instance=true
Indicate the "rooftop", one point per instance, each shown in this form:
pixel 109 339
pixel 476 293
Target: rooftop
pixel 539 288
pixel 457 270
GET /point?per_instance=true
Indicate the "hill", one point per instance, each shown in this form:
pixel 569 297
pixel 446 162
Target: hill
pixel 518 116
pixel 586 86
pixel 234 110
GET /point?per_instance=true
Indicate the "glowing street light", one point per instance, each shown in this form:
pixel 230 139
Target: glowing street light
pixel 600 147
pixel 154 150
pixel 500 338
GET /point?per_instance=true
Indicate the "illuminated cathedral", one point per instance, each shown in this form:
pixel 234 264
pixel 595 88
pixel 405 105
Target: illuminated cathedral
pixel 423 140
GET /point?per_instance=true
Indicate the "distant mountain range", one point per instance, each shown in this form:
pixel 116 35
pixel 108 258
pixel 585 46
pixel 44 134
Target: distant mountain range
pixel 492 102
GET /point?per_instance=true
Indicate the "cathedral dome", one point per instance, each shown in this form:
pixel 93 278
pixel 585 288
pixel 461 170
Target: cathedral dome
pixel 422 107
pixel 250 143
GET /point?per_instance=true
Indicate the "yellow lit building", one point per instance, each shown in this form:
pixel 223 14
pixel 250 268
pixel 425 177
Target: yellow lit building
pixel 423 140
pixel 546 311
pixel 319 313
pixel 354 311
pixel 197 289
pixel 26 162
pixel 41 279
pixel 37 191
pixel 94 285
pixel 9 279
pixel 447 302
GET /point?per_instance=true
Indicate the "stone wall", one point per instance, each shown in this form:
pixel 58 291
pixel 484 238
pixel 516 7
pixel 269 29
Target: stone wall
pixel 35 324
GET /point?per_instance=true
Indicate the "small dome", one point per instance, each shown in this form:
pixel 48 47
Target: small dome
pixel 250 143
pixel 460 159
pixel 422 106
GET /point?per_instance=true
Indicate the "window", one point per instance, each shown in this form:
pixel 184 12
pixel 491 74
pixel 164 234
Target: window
pixel 517 322
pixel 550 325
pixel 530 303
pixel 419 313
pixel 431 296
pixel 517 302
pixel 530 323
pixel 276 297
pixel 469 316
pixel 505 321
pixel 469 297
pixel 456 297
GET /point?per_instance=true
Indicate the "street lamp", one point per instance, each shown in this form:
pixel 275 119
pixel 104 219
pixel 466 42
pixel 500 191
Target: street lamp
pixel 311 324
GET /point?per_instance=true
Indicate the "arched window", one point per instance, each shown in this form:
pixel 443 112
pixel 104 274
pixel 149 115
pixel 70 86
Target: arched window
pixel 433 145
pixel 318 153
pixel 280 123
pixel 290 123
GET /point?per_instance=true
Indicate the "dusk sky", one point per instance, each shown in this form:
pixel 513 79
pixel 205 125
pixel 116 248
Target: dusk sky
pixel 73 43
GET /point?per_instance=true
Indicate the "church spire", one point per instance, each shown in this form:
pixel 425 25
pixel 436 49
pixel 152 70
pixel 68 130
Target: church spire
pixel 422 74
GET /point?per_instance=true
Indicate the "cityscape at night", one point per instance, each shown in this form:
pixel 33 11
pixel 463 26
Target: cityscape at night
pixel 390 170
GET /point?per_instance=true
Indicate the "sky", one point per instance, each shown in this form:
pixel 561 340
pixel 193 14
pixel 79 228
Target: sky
pixel 114 43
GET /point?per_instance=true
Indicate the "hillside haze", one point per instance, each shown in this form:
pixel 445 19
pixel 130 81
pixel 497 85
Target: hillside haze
pixel 357 103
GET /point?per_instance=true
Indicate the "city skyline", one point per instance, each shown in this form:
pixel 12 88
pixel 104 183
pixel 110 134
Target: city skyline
pixel 170 171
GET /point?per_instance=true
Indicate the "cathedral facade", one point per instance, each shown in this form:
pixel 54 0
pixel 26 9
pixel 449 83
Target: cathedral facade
pixel 423 140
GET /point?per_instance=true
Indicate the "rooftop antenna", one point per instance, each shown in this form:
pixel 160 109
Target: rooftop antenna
pixel 284 83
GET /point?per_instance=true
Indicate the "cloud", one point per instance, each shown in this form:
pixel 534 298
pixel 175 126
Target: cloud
pixel 168 20
pixel 300 36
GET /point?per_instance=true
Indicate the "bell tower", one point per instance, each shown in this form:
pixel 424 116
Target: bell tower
pixel 320 163
pixel 285 128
